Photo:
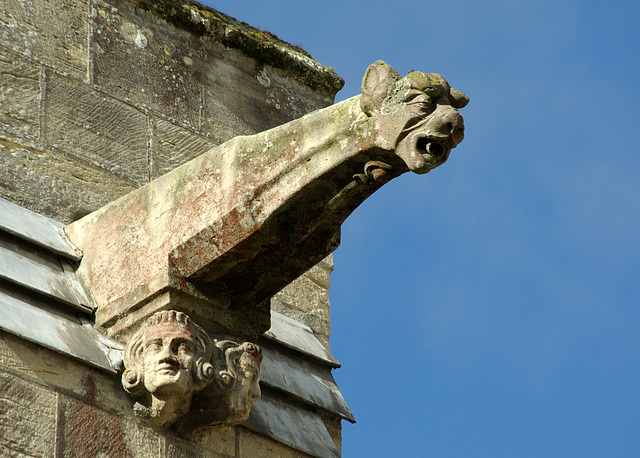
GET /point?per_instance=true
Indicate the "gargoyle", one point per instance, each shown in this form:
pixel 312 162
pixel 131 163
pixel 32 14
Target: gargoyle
pixel 243 220
pixel 415 116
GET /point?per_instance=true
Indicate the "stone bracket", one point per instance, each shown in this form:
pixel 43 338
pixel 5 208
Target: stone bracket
pixel 171 361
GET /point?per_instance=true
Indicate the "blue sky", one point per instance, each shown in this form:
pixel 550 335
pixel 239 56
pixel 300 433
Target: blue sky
pixel 492 307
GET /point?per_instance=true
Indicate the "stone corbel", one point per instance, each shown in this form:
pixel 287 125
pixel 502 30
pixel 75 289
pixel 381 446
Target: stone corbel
pixel 171 360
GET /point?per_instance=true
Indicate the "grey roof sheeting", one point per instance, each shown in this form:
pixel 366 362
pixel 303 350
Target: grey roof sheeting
pixel 58 331
pixel 299 337
pixel 303 379
pixel 40 296
pixel 35 228
pixel 296 427
pixel 40 271
pixel 40 292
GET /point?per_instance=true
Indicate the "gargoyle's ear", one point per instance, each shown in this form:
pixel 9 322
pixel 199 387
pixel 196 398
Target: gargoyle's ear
pixel 375 85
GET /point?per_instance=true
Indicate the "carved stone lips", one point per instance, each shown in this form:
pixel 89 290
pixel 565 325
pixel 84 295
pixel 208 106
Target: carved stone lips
pixel 167 368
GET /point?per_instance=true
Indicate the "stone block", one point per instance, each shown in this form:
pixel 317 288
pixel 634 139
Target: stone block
pixel 204 443
pixel 307 302
pixel 220 123
pixel 89 431
pixel 5 451
pixel 19 98
pixel 172 146
pixel 252 445
pixel 136 56
pixel 333 424
pixel 320 273
pixel 96 128
pixel 237 88
pixel 27 417
pixel 53 32
pixel 54 185
pixel 44 367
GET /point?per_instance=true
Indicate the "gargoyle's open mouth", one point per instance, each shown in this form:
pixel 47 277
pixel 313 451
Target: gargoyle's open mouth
pixel 435 149
pixel 422 152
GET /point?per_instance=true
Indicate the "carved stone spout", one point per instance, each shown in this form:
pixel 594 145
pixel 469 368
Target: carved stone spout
pixel 240 222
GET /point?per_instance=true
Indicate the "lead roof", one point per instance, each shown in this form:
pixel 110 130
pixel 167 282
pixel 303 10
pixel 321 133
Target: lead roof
pixel 43 301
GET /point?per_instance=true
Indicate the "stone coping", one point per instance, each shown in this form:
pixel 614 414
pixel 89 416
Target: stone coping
pixel 265 47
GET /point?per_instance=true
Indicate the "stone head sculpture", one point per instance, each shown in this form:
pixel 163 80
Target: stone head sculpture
pixel 167 360
pixel 239 379
pixel 417 116
pixel 229 399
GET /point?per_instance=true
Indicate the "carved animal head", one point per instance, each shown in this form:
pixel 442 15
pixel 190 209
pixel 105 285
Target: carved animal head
pixel 417 116
pixel 228 401
pixel 239 380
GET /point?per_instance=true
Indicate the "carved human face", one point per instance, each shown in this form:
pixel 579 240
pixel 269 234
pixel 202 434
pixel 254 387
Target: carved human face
pixel 168 359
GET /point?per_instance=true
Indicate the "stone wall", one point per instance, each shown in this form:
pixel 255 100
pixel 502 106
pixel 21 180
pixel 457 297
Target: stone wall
pixel 53 406
pixel 98 97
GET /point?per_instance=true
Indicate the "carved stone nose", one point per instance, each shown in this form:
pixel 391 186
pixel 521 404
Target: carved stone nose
pixel 445 124
pixel 167 353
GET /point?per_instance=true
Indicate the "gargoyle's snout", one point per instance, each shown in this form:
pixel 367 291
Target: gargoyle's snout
pixel 429 144
pixel 445 126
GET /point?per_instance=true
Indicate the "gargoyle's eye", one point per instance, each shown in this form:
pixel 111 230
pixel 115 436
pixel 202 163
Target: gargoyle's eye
pixel 433 91
pixel 415 96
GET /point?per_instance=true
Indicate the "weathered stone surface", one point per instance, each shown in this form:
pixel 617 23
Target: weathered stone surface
pixel 54 185
pixel 248 217
pixel 96 128
pixel 269 96
pixel 219 122
pixel 312 300
pixel 19 99
pixel 321 272
pixel 307 302
pixel 261 46
pixel 90 431
pixel 167 360
pixel 170 359
pixel 27 417
pixel 237 388
pixel 44 367
pixel 203 442
pixel 83 123
pixel 252 445
pixel 53 32
pixel 172 146
pixel 119 321
pixel 136 57
pixel 334 428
